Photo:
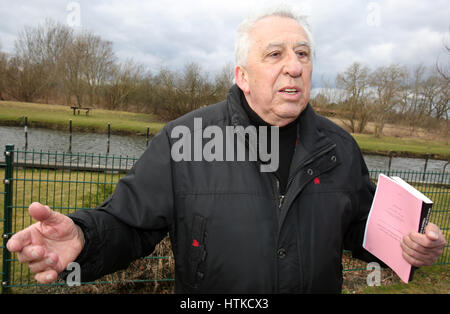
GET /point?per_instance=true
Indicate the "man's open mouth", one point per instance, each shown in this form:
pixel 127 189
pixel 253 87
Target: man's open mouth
pixel 290 90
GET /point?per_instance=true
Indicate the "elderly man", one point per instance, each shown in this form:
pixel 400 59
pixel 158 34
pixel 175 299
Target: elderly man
pixel 233 227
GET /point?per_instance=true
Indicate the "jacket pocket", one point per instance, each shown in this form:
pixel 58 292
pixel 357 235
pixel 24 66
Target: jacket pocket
pixel 197 251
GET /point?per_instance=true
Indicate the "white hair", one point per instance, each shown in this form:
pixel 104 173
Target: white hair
pixel 243 42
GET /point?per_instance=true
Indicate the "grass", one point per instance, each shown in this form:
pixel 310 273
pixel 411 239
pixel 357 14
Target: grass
pixel 427 280
pixel 57 117
pixel 402 146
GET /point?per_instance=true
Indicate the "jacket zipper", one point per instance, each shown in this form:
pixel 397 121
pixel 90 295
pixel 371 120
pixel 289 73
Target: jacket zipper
pixel 281 201
pixel 280 196
pixel 278 203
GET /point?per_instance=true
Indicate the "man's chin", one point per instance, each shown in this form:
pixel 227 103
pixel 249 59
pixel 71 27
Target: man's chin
pixel 290 113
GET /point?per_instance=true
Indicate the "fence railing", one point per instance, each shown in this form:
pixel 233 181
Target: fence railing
pixel 67 182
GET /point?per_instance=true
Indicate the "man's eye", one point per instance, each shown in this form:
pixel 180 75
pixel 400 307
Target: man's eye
pixel 274 54
pixel 302 54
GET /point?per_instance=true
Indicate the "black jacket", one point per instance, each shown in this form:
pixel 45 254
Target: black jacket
pixel 229 230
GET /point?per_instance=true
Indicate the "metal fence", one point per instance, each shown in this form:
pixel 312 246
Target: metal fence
pixel 68 182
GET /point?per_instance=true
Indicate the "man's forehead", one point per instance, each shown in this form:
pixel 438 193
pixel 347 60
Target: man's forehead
pixel 276 29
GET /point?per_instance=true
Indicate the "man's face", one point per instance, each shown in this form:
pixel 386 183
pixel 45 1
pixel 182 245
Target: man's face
pixel 277 78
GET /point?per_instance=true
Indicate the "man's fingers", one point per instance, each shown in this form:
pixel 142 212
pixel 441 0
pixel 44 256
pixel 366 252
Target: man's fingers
pixel 430 240
pixel 47 276
pixel 415 243
pixel 419 258
pixel 44 214
pixel 49 262
pixel 31 253
pixel 413 261
pixel 19 241
pixel 23 238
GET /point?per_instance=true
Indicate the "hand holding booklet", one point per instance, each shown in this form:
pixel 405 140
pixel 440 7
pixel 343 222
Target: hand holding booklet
pixel 397 209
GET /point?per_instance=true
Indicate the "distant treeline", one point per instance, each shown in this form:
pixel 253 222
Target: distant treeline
pixel 415 97
pixel 53 64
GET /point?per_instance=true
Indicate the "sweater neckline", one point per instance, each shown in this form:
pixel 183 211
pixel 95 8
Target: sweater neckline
pixel 256 120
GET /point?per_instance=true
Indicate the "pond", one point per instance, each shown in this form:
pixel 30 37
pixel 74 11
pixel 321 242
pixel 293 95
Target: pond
pixel 134 146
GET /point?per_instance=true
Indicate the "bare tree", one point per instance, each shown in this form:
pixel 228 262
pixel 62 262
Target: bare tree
pixel 193 87
pixel 166 97
pixel 177 94
pixel 223 81
pixel 143 98
pixel 444 70
pixel 435 97
pixel 443 106
pixel 388 82
pixel 85 65
pixel 71 70
pixel 98 62
pixel 411 106
pixel 356 107
pixel 327 95
pixel 123 80
pixel 3 67
pixel 23 79
pixel 38 51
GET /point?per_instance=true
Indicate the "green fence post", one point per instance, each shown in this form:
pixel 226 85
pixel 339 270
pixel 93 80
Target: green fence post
pixel 6 275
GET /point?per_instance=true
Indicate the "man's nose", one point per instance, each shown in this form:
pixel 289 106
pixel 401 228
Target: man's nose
pixel 293 65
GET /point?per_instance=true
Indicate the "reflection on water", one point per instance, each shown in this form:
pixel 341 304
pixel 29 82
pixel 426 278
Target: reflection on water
pixel 401 163
pixel 53 140
pixel 134 146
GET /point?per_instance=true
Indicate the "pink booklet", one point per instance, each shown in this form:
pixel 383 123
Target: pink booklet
pixel 397 209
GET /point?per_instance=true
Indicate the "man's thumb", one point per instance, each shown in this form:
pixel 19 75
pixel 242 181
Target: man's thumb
pixel 43 213
pixel 432 231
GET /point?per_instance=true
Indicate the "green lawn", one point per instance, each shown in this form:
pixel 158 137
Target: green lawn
pixel 57 117
pixel 369 143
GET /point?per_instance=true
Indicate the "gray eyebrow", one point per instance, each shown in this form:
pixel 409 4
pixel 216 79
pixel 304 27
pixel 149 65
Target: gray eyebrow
pixel 280 44
pixel 304 43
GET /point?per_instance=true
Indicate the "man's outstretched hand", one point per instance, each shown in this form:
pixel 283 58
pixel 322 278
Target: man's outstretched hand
pixel 49 245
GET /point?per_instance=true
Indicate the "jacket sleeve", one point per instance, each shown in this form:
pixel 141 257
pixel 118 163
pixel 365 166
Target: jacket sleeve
pixel 135 218
pixel 362 203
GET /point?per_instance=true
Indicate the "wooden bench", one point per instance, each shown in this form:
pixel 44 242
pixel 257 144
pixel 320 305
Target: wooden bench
pixel 75 108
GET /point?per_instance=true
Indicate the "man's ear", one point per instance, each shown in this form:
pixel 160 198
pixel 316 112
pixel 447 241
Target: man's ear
pixel 241 78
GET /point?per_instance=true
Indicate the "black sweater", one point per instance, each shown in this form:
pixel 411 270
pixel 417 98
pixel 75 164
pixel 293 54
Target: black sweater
pixel 288 137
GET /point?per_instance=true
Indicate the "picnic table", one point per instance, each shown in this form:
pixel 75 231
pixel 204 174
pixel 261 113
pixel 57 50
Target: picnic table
pixel 75 108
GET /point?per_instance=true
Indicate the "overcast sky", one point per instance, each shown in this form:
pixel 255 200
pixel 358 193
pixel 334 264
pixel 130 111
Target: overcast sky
pixel 173 33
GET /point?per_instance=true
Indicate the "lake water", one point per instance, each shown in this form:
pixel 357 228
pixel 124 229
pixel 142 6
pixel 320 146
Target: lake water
pixel 134 146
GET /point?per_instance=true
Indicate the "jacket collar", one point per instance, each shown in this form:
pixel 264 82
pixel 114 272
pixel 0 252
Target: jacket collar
pixel 311 139
pixel 237 113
